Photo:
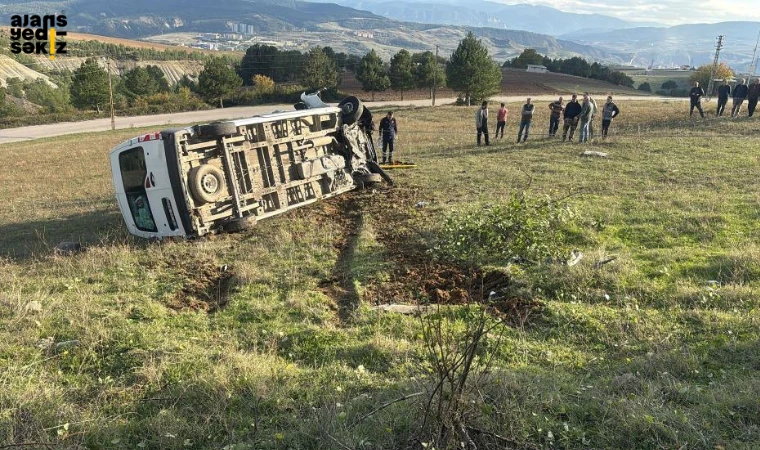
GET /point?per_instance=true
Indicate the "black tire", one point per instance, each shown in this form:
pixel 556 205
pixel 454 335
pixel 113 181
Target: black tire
pixel 217 129
pixel 207 183
pixel 351 109
pixel 376 169
pixel 300 106
pixel 239 225
pixel 371 178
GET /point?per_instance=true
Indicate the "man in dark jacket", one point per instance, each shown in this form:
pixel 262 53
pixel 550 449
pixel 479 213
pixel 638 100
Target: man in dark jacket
pixel 752 97
pixel 740 94
pixel 695 96
pixel 572 110
pixel 388 131
pixel 526 115
pixel 724 91
pixel 609 112
pixel 556 108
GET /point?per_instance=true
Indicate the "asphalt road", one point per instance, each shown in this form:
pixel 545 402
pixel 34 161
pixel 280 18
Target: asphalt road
pixel 167 120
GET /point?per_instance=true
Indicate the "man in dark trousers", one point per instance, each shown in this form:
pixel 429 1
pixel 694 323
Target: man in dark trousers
pixel 556 108
pixel 571 115
pixel 526 114
pixel 724 91
pixel 740 94
pixel 481 121
pixel 695 96
pixel 752 96
pixel 609 112
pixel 388 130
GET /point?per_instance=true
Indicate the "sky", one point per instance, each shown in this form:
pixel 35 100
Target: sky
pixel 666 12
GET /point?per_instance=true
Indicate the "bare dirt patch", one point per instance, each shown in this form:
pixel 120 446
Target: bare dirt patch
pixel 416 275
pixel 204 286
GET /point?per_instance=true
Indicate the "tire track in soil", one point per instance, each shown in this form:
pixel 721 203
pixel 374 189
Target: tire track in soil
pixel 416 276
pixel 340 286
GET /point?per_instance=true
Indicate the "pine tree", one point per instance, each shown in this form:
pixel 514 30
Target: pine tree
pixel 372 74
pixel 89 86
pixel 471 71
pixel 427 72
pixel 402 72
pixel 218 80
pixel 319 71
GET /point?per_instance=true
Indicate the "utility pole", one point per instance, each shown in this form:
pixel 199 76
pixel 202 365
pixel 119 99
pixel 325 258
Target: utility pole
pixel 718 46
pixel 435 73
pixel 110 94
pixel 753 63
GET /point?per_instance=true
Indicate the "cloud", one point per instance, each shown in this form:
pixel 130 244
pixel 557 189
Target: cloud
pixel 667 12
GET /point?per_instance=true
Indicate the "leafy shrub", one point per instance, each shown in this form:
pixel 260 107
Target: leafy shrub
pixel 522 229
pixel 645 86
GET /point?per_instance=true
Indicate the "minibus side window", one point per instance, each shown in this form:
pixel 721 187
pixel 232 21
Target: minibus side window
pixel 133 173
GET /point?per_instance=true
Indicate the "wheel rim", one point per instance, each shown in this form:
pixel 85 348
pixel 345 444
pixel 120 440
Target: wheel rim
pixel 210 184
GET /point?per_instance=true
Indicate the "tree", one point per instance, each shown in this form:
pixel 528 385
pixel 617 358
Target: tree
pixel 702 74
pixel 258 60
pixel 15 87
pixel 528 56
pixel 471 71
pixel 619 78
pixel 319 71
pixel 157 74
pixel 52 98
pixel 186 82
pixel 218 80
pixel 89 86
pixel 372 74
pixel 287 65
pixel 427 71
pixel 402 72
pixel 576 66
pixel 645 86
pixel 139 82
pixel 263 85
pixel 670 84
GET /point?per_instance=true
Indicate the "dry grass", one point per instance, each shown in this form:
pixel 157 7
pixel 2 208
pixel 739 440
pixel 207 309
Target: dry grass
pixel 657 349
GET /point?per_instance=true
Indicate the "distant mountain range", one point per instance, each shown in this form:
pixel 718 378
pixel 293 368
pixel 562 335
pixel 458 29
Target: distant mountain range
pixel 310 23
pixel 481 13
pixel 692 44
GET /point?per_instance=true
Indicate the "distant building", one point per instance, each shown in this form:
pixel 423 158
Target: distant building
pixel 536 68
pixel 364 34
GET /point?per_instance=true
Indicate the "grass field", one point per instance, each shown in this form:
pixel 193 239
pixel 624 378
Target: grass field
pixel 133 344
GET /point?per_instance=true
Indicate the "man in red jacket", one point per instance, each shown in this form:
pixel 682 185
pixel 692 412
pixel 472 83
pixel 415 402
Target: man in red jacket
pixel 501 120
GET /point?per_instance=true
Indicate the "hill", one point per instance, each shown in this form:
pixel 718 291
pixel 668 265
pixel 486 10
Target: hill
pixel 481 13
pixel 692 44
pixel 293 24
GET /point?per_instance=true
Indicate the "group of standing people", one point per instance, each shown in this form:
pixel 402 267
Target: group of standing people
pixel 574 114
pixel 738 94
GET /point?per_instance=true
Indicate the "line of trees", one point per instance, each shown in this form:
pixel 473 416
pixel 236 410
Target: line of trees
pixel 572 66
pixel 470 71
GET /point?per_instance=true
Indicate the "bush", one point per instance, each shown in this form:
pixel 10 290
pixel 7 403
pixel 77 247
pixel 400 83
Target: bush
pixel 523 229
pixel 670 84
pixel 646 87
